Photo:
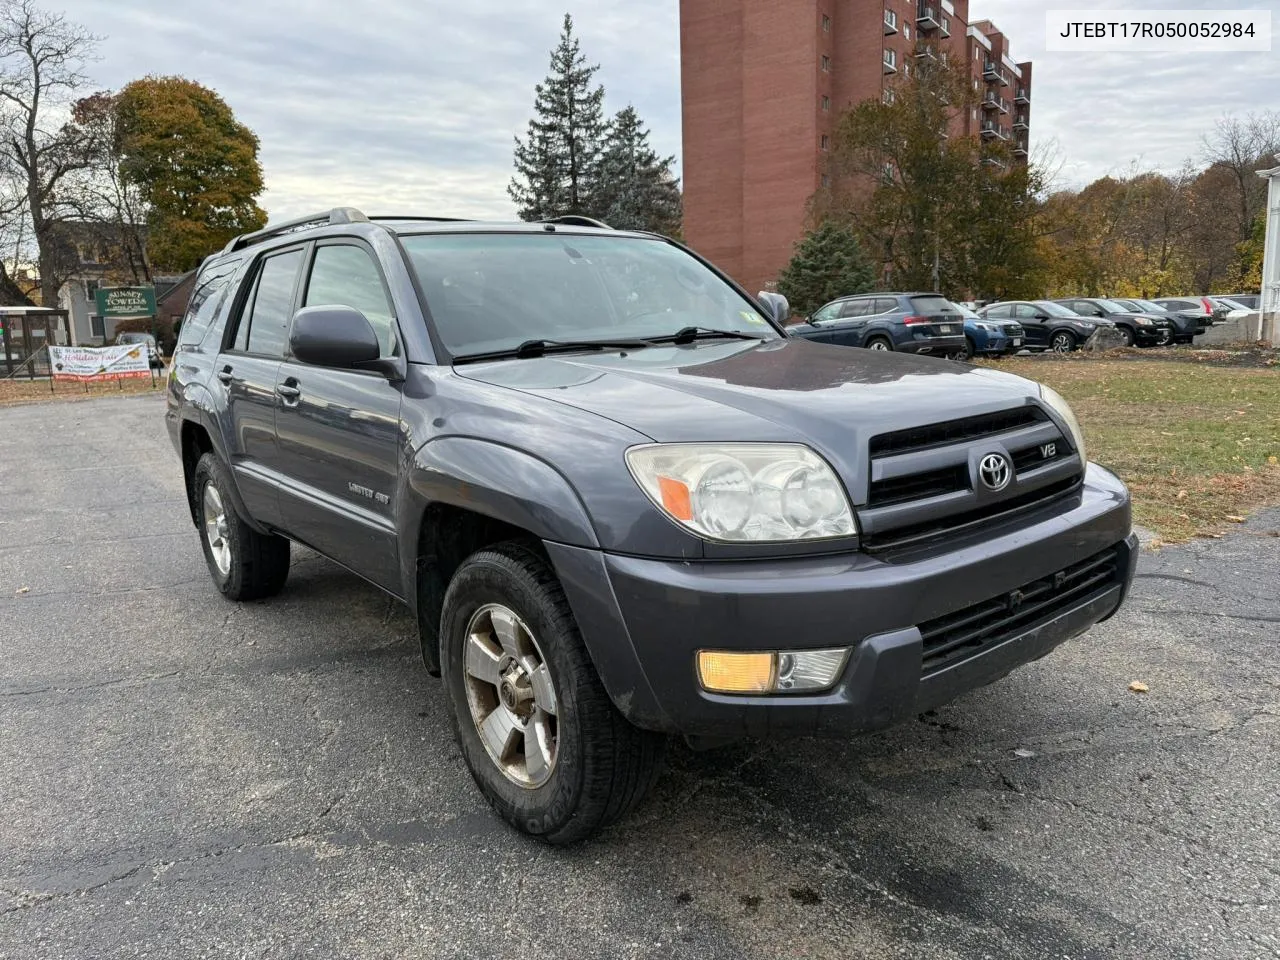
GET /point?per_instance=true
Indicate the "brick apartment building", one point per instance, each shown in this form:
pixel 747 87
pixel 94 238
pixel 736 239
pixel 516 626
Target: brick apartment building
pixel 764 83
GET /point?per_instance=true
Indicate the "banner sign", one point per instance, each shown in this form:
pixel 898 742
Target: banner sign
pixel 100 363
pixel 126 301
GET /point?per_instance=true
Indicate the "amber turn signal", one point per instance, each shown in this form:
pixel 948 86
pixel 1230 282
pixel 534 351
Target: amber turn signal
pixel 720 672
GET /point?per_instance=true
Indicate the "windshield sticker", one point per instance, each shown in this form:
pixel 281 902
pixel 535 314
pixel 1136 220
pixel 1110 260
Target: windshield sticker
pixel 751 317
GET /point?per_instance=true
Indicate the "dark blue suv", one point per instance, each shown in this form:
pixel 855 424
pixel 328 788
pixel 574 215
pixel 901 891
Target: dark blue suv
pixel 905 322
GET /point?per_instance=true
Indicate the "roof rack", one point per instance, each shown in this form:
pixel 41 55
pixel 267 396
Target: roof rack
pixel 575 220
pixel 328 218
pixel 380 219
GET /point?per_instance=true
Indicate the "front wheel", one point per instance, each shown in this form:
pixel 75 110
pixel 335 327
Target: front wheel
pixel 537 730
pixel 245 564
pixel 1062 342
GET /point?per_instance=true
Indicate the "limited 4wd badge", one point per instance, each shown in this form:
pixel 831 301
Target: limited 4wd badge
pixel 369 494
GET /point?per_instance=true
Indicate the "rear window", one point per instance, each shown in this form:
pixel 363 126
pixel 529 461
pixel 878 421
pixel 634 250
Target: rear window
pixel 932 305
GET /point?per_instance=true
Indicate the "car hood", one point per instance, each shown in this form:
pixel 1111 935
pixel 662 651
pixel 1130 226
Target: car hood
pixel 833 398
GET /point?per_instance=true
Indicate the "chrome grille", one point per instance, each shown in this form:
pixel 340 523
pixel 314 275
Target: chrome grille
pixel 923 482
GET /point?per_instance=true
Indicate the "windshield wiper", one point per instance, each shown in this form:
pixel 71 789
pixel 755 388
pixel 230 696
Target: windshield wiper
pixel 532 349
pixel 690 334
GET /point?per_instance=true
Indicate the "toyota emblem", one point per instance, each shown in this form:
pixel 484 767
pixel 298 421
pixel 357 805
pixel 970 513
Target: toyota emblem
pixel 995 471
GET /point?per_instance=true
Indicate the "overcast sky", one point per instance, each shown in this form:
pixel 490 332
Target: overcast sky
pixel 411 105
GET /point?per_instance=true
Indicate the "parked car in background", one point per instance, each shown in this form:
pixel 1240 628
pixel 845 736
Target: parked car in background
pixel 1186 327
pixel 905 322
pixel 1046 325
pixel 1235 309
pixel 1138 329
pixel 1201 309
pixel 1250 300
pixel 989 338
pixel 153 352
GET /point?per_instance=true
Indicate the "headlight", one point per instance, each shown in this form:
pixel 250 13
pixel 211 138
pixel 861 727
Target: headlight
pixel 744 492
pixel 1143 322
pixel 1063 409
pixel 989 327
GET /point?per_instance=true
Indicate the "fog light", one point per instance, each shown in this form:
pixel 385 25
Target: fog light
pixel 736 672
pixel 786 671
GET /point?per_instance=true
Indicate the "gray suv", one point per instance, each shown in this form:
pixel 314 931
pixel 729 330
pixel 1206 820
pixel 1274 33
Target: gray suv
pixel 621 503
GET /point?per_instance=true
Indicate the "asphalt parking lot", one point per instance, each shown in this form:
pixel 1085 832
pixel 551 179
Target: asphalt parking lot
pixel 184 777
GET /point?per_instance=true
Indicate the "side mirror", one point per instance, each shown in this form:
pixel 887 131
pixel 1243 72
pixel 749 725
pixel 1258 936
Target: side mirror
pixel 1042 316
pixel 776 304
pixel 338 337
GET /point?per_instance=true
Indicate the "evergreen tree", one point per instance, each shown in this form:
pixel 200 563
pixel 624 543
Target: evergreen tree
pixel 636 189
pixel 828 263
pixel 558 161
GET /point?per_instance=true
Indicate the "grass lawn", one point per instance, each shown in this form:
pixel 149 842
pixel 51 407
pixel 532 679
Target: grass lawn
pixel 37 391
pixel 1198 445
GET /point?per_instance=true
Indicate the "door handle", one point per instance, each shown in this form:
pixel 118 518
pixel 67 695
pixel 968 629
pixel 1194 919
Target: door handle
pixel 225 375
pixel 289 391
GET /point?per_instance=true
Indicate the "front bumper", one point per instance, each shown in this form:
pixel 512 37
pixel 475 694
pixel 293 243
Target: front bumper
pixel 1153 336
pixel 644 620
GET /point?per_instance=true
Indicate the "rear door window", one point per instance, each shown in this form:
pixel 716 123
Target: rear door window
pixel 857 308
pixel 272 309
pixel 1025 311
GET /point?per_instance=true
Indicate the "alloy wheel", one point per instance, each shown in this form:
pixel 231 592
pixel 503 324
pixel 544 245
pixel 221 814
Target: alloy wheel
pixel 1062 343
pixel 215 529
pixel 878 345
pixel 511 696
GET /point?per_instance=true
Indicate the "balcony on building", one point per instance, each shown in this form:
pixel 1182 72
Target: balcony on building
pixel 990 130
pixel 990 71
pixel 890 62
pixel 994 162
pixel 1023 95
pixel 944 26
pixel 926 50
pixel 991 100
pixel 928 17
pixel 1021 121
pixel 1005 133
pixel 1020 147
pixel 890 22
pixel 1005 105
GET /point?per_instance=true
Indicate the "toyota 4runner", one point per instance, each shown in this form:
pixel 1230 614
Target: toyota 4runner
pixel 620 501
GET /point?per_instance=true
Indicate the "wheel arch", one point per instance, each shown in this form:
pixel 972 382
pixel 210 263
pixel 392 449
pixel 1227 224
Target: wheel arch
pixel 463 494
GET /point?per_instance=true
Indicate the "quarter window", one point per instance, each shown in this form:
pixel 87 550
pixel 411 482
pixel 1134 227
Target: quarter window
pixel 203 307
pixel 345 275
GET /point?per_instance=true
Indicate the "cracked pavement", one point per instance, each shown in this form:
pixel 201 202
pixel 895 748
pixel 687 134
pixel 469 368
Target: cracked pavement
pixel 183 777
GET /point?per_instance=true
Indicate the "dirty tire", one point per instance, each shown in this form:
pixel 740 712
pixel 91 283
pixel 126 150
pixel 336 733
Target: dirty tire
pixel 603 765
pixel 259 563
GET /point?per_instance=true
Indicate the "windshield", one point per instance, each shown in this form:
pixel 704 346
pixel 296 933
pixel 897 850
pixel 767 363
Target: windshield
pixel 1056 309
pixel 490 292
pixel 1110 306
pixel 1150 306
